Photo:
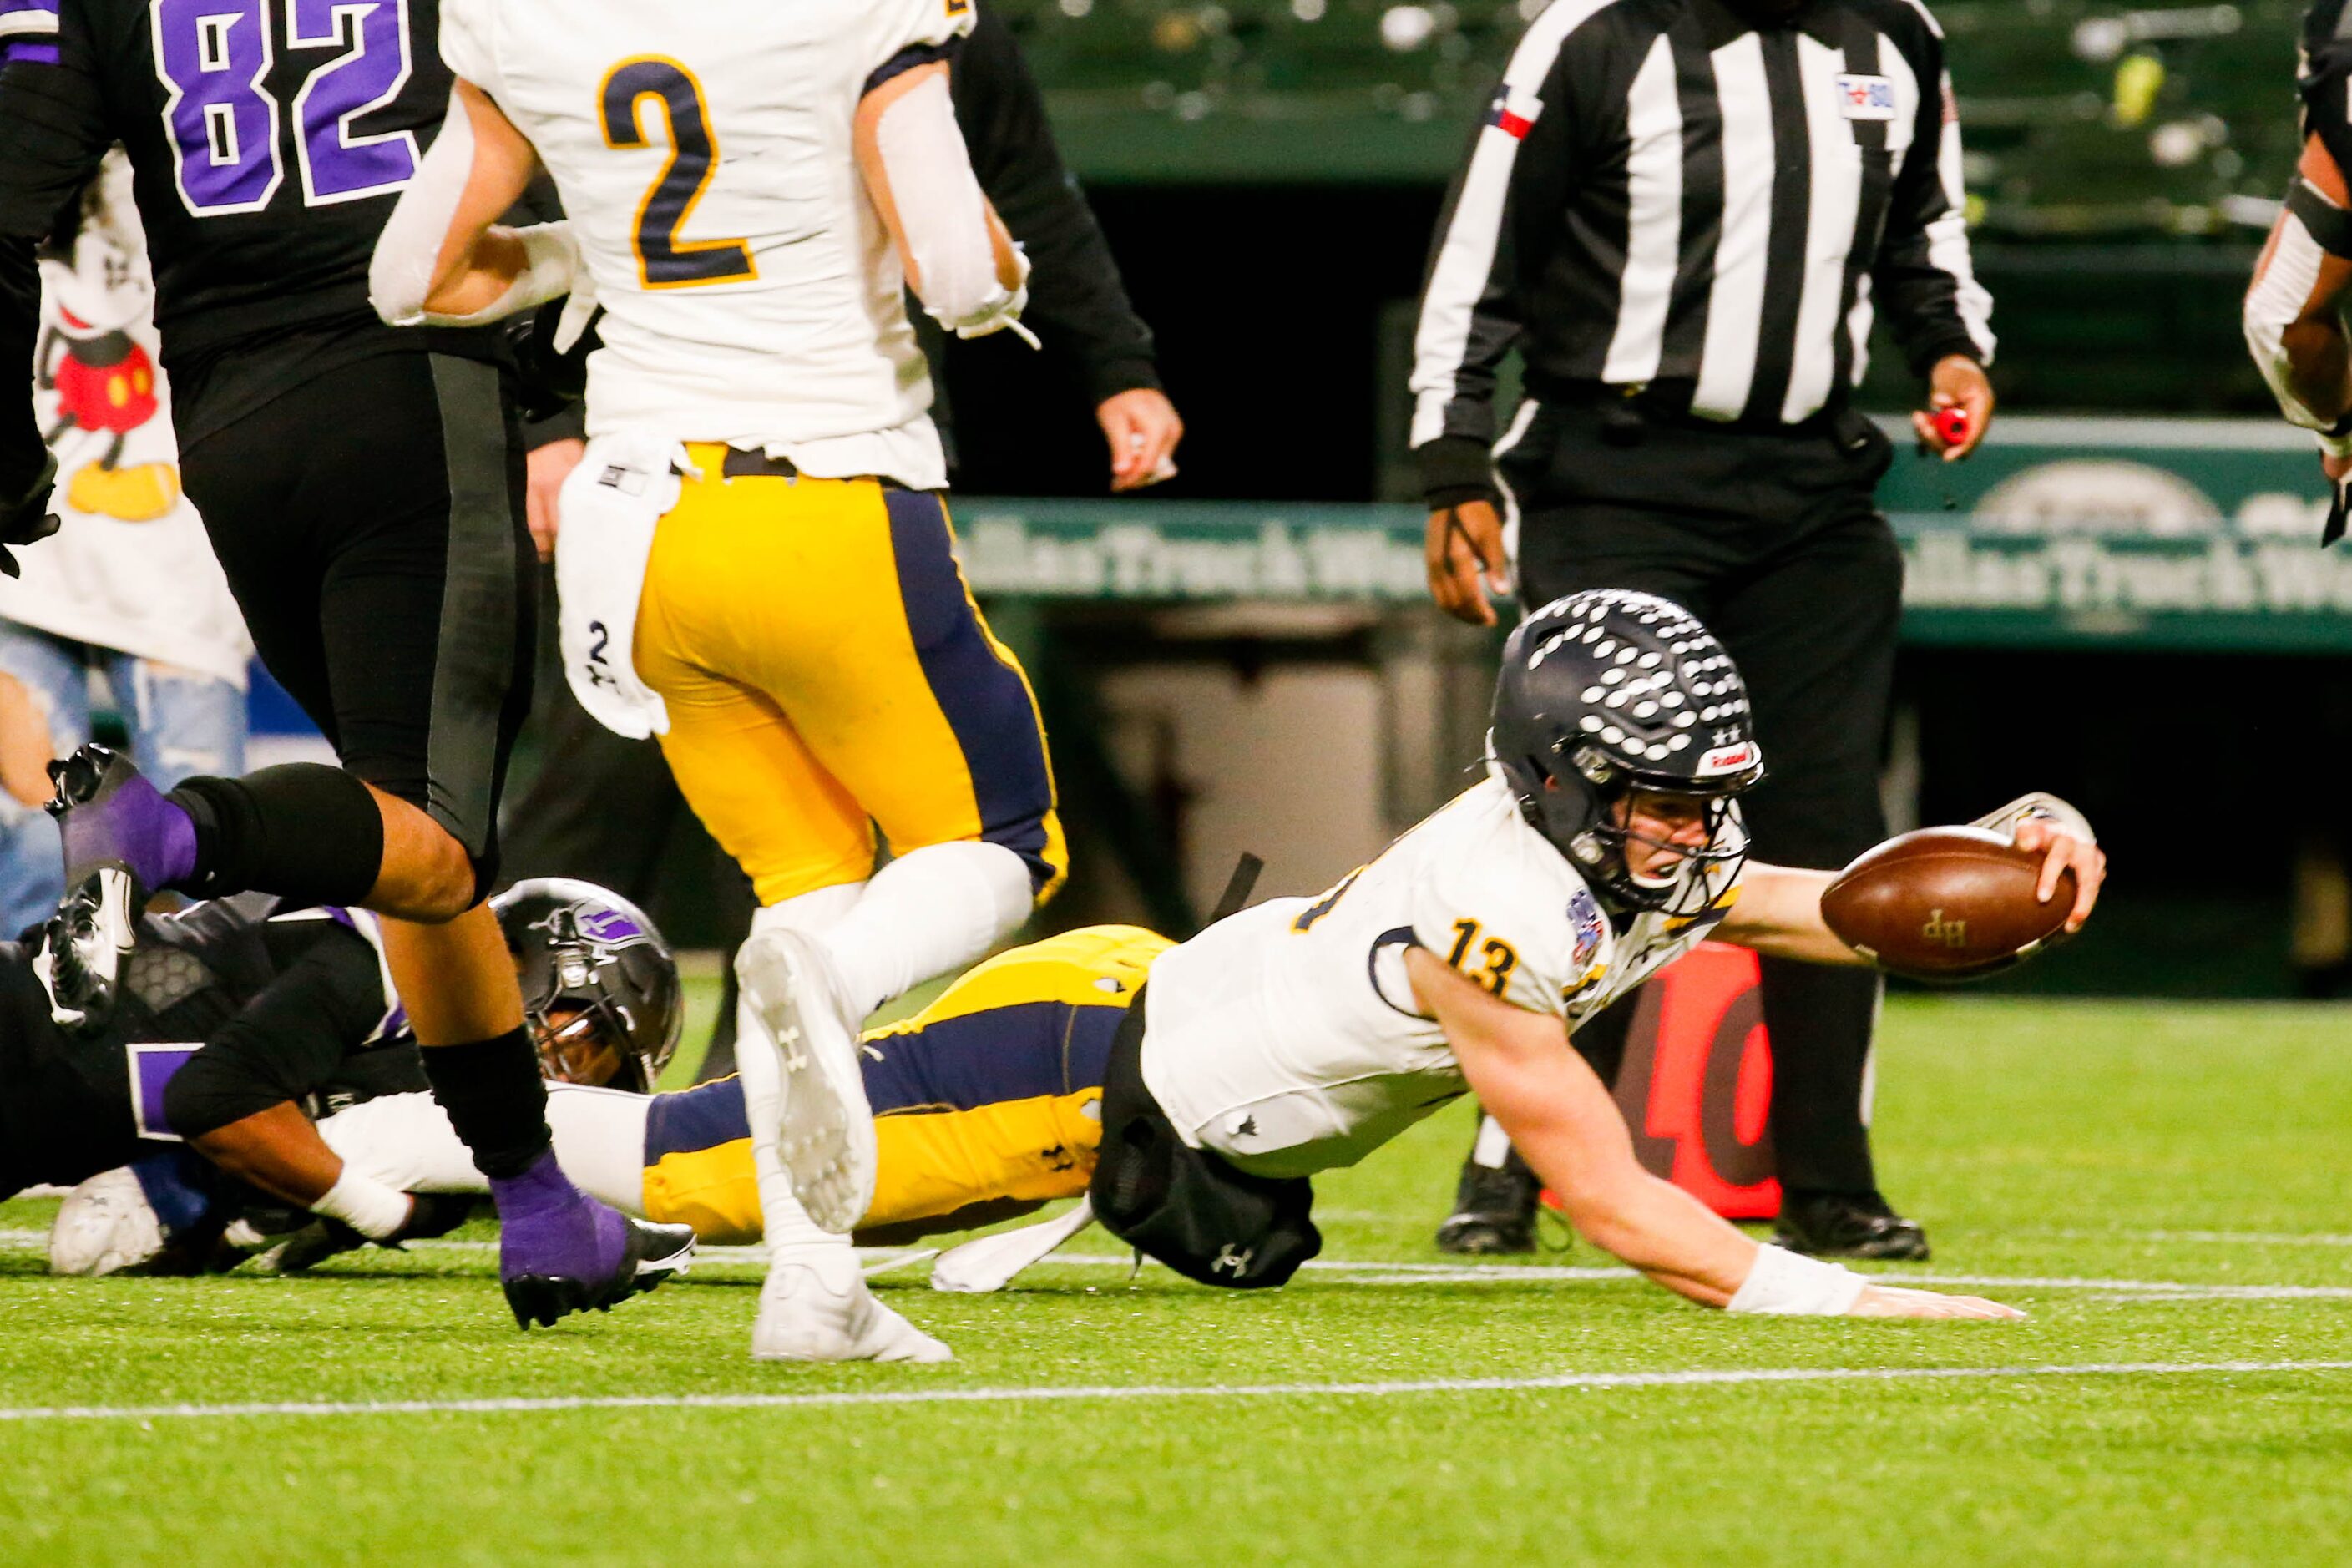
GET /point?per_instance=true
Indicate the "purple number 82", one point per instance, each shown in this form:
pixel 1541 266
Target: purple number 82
pixel 213 57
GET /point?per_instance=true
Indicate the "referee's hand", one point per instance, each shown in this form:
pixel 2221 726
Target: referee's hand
pixel 1957 382
pixel 1465 554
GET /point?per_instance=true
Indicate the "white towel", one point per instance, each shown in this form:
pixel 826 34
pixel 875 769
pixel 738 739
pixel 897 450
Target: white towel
pixel 610 507
pixel 990 1263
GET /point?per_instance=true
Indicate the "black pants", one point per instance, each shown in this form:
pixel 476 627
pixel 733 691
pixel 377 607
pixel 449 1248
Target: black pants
pixel 1773 540
pixel 370 520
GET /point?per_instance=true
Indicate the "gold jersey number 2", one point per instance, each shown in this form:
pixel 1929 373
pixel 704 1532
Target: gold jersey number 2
pixel 664 260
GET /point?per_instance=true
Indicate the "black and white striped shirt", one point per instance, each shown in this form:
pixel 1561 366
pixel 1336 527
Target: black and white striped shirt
pixel 1665 194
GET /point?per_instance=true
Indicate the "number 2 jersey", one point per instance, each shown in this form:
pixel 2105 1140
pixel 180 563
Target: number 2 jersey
pixel 268 141
pixel 1287 1038
pixel 703 153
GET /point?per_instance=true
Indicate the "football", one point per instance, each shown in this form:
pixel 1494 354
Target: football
pixel 1945 903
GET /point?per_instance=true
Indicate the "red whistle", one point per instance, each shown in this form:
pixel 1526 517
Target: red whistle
pixel 1952 425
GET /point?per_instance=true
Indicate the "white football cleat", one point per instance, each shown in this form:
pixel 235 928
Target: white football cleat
pixel 105 1225
pixel 821 1311
pixel 824 1132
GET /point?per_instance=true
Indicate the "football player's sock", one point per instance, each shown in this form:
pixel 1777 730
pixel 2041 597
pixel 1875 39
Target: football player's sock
pixel 309 833
pixel 814 912
pixel 929 912
pixel 495 1100
pixel 786 1224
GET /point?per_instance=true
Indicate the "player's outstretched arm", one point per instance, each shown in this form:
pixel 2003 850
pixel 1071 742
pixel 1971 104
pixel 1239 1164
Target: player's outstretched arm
pixel 1778 913
pixel 959 260
pixel 442 258
pixel 1566 1126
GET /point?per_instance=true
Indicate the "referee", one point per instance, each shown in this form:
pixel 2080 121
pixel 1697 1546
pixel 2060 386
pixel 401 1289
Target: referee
pixel 1684 213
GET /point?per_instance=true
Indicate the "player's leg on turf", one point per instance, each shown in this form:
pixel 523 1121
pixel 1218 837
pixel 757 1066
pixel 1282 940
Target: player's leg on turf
pixel 405 1141
pixel 798 709
pixel 983 1100
pixel 738 762
pixel 370 529
pixel 885 673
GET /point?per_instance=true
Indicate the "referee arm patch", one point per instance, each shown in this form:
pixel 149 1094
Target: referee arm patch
pixel 1515 112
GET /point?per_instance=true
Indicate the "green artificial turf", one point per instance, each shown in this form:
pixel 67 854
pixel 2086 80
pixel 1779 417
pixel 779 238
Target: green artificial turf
pixel 2144 1178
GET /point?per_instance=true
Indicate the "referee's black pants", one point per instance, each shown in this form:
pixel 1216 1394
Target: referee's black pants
pixel 1773 539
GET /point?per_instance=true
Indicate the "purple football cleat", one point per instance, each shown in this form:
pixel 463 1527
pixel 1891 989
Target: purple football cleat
pixel 123 843
pixel 561 1251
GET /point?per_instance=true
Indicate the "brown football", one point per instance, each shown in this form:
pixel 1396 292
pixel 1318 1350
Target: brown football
pixel 1945 903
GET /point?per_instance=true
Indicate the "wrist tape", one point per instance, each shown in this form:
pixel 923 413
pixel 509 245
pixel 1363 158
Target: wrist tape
pixel 2048 807
pixel 1788 1284
pixel 366 1205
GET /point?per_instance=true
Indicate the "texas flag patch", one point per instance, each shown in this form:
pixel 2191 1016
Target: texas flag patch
pixel 1515 112
pixel 1866 97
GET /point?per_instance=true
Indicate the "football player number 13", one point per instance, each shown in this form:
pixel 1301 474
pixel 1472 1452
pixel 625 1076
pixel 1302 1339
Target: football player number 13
pixel 663 85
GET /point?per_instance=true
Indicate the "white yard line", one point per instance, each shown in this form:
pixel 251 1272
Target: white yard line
pixel 1698 1378
pixel 881 1260
pixel 2211 1237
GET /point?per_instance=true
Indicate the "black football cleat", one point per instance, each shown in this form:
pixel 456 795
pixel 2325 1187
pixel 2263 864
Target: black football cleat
pixel 650 1254
pixel 1849 1225
pixel 1494 1210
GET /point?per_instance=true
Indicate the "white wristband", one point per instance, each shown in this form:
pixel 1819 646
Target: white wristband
pixel 1790 1284
pixel 364 1203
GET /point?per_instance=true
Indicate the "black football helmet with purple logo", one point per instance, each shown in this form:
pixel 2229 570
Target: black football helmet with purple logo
pixel 1606 692
pixel 599 989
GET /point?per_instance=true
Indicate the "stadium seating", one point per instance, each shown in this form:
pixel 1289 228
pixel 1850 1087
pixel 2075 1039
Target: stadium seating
pixel 2084 118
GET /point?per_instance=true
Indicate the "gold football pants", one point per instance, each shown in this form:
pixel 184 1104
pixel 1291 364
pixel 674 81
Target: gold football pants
pixel 984 1102
pixel 826 671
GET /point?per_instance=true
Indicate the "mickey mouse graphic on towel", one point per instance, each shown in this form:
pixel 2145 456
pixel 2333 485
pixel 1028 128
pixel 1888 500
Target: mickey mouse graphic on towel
pixel 97 294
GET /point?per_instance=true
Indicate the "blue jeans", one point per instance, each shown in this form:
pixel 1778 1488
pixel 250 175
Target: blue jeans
pixel 181 723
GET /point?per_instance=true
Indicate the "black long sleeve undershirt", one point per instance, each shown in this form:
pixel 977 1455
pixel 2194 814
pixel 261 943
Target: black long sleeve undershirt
pixel 52 135
pixel 1077 303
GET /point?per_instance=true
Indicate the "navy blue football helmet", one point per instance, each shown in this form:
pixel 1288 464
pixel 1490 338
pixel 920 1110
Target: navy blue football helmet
pixel 600 988
pixel 1606 692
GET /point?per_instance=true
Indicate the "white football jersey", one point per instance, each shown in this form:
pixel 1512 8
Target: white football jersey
pixel 1287 1038
pixel 702 152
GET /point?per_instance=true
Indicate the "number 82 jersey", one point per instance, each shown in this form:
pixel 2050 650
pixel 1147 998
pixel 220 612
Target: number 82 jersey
pixel 269 139
pixel 703 154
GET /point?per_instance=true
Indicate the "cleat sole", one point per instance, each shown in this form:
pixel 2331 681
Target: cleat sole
pixel 826 1136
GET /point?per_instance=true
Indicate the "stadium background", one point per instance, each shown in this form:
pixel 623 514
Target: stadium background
pixel 2115 605
pixel 2110 608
